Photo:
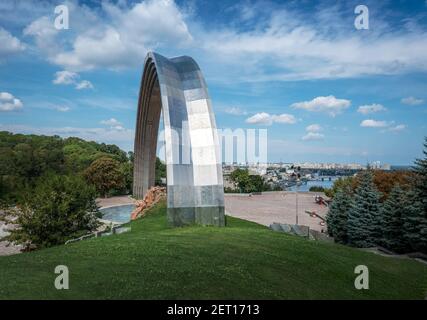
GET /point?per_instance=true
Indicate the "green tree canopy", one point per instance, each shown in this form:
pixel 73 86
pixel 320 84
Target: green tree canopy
pixel 104 173
pixel 337 216
pixel 393 213
pixel 58 209
pixel 364 215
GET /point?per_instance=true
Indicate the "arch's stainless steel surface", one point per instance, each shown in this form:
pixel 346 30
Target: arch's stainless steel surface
pixel 195 191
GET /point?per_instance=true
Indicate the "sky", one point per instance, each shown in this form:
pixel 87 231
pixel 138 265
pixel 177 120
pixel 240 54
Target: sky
pixel 325 90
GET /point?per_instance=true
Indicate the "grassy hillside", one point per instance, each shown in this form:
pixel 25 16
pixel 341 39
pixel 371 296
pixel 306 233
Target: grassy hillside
pixel 241 261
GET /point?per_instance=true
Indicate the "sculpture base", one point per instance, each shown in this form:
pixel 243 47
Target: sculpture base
pixel 206 216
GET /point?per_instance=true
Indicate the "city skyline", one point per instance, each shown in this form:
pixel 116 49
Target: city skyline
pixel 326 91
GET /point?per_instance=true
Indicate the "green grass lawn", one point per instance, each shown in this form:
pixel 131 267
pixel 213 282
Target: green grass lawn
pixel 242 261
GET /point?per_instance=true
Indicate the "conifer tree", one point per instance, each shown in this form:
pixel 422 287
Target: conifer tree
pixel 337 216
pixel 364 215
pixel 393 213
pixel 415 224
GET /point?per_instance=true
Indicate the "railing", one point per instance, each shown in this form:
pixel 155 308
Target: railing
pixel 114 226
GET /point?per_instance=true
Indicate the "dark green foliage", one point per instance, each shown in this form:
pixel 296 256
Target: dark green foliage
pixel 364 215
pixel 316 189
pixel 416 219
pixel 247 183
pixel 347 183
pixel 337 217
pixel 160 172
pixel 393 211
pixel 126 170
pixel 57 209
pixel 26 158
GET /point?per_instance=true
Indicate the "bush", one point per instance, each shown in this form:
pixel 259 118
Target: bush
pixel 316 189
pixel 58 209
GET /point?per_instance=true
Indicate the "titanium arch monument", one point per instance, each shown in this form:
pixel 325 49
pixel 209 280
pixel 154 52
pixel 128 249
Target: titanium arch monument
pixel 195 191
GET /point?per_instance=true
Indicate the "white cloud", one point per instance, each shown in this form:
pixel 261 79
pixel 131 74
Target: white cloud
pixel 397 128
pixel 121 41
pixel 260 118
pixel 235 111
pixel 61 108
pixel 385 125
pixel 311 136
pixel 372 108
pixel 284 118
pixel 85 84
pixel 412 101
pixel 370 123
pixel 68 77
pixel 313 133
pixel 264 118
pixel 9 103
pixel 267 36
pixel 300 45
pixel 329 105
pixel 111 122
pixel 65 77
pixel 313 128
pixel 9 44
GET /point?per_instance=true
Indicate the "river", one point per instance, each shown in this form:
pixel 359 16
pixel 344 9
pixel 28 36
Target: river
pixel 326 183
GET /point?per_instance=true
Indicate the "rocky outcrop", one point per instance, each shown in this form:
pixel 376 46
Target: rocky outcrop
pixel 154 195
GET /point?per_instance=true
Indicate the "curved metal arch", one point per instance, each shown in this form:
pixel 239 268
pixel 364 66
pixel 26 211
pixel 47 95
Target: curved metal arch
pixel 195 191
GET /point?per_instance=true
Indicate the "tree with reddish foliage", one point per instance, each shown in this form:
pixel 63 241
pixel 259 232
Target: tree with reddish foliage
pixel 105 174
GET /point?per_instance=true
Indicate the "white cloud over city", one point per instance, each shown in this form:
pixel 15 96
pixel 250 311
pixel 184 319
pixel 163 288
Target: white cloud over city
pixel 384 125
pixel 264 118
pixel 313 133
pixel 329 105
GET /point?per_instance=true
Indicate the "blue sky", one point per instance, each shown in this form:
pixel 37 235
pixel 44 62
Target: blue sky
pixel 325 91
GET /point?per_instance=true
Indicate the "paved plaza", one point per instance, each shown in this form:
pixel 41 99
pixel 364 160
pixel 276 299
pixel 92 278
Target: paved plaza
pixel 277 207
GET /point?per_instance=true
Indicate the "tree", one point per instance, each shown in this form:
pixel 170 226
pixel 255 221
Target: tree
pixel 104 173
pixel 126 170
pixel 416 219
pixel 392 219
pixel 160 172
pixel 348 183
pixel 337 217
pixel 58 209
pixel 386 180
pixel 363 217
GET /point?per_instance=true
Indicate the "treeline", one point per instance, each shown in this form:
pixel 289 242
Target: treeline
pixel 247 183
pixel 24 159
pixel 388 210
pixel 48 185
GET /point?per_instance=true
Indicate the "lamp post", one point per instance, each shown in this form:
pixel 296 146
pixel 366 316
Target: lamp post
pixel 298 176
pixel 296 202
